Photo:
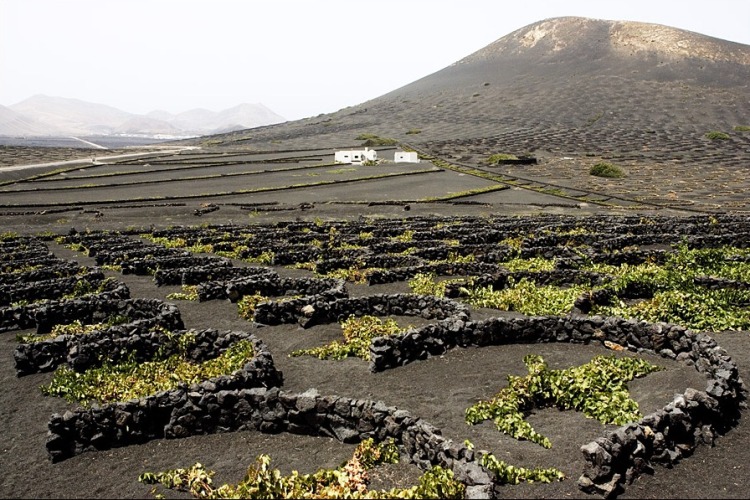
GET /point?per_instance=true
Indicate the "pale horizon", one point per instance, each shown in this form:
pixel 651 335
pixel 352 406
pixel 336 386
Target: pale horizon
pixel 295 57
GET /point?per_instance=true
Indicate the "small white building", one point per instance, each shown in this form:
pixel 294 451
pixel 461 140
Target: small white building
pixel 405 157
pixel 356 156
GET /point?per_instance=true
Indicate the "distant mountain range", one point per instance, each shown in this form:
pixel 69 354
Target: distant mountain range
pixel 43 115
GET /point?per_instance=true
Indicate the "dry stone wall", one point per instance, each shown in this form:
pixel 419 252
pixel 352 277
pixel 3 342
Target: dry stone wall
pixel 83 351
pixel 184 411
pixel 253 398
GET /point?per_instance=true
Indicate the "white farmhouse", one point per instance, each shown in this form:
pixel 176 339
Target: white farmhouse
pixel 405 157
pixel 356 156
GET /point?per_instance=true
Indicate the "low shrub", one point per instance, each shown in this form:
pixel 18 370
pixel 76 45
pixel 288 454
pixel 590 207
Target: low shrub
pixel 498 157
pixel 604 169
pixel 717 135
pixel 372 140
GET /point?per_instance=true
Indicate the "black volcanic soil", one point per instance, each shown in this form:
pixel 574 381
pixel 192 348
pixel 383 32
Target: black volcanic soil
pixel 438 390
pixel 570 108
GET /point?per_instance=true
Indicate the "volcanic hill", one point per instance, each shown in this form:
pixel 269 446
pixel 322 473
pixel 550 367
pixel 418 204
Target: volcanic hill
pixel 644 96
pixel 571 74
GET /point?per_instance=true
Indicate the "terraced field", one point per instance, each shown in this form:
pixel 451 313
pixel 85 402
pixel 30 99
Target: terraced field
pixel 471 296
pixel 457 308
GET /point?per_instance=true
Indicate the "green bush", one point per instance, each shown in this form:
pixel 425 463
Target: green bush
pixel 717 135
pixel 498 157
pixel 372 140
pixel 742 128
pixel 603 169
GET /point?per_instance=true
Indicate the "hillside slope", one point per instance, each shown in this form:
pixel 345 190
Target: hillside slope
pixel 572 92
pixel 566 74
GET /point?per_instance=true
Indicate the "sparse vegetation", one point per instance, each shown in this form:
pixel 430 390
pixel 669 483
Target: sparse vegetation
pixel 372 140
pixel 350 480
pixel 598 389
pixel 608 170
pixel 358 333
pixel 715 135
pixel 341 170
pixel 498 157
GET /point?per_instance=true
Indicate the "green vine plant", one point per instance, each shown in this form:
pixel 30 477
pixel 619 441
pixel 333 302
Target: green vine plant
pixel 189 292
pixel 84 287
pixel 307 266
pixel 248 303
pixel 404 237
pixel 134 379
pixel 533 264
pixel 358 334
pixel 353 274
pixel 164 241
pixel 9 235
pixel 527 297
pixel 510 474
pixel 112 267
pixel 598 389
pixel 265 258
pixel 676 298
pixel 514 242
pixel 81 288
pixel 404 252
pixel 349 480
pixel 12 268
pixel 75 328
pixel 455 258
pixel 427 284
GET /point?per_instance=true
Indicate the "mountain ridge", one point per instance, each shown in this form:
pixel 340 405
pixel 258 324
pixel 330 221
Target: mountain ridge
pixel 558 34
pixel 562 76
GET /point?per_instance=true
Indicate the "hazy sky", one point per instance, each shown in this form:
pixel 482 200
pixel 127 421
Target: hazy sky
pixel 298 57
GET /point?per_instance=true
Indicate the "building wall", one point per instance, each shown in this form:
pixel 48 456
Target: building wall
pixel 405 157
